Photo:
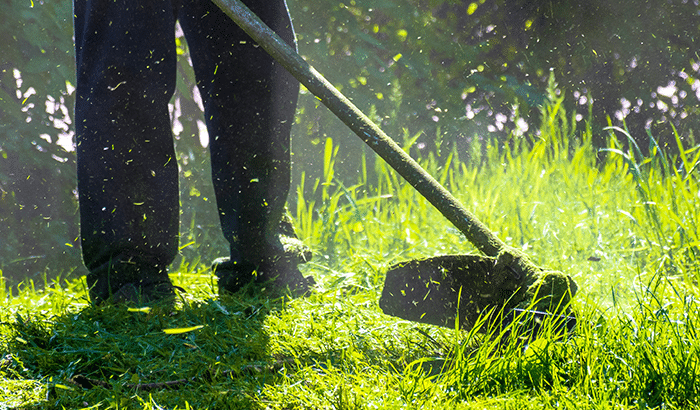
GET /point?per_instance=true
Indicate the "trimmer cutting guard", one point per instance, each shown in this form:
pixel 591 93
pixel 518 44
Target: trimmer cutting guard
pixel 456 289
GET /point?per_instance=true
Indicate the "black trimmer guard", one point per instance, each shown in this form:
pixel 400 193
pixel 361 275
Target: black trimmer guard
pixel 455 290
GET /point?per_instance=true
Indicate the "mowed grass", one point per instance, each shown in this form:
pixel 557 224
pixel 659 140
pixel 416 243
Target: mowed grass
pixel 623 225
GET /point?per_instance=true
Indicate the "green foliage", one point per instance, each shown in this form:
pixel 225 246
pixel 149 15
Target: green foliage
pixel 37 174
pixel 440 76
pixel 622 224
pixel 622 221
pixel 460 64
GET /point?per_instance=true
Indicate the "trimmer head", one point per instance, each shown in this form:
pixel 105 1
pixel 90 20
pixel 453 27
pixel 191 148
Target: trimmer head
pixel 444 289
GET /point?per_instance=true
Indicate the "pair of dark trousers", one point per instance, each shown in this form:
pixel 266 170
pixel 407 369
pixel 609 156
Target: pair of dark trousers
pixel 127 169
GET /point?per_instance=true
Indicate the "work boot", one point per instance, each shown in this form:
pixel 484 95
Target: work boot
pixel 278 271
pixel 132 282
pixel 146 294
pixel 278 275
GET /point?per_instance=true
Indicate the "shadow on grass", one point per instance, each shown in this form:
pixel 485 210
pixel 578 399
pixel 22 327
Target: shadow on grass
pixel 206 353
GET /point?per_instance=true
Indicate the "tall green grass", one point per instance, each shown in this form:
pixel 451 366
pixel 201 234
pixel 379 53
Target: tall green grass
pixel 621 223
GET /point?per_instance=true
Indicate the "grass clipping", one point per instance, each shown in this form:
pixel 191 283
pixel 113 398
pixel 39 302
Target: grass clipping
pixel 444 289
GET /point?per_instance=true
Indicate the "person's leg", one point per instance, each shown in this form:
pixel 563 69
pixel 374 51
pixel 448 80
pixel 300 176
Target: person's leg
pixel 249 103
pixel 127 169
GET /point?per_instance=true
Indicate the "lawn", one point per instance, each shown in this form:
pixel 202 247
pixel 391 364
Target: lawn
pixel 621 223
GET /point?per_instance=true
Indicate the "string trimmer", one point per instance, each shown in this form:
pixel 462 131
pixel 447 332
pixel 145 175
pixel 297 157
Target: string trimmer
pixel 443 289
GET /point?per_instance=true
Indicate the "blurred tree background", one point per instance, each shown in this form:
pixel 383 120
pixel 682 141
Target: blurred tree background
pixel 443 74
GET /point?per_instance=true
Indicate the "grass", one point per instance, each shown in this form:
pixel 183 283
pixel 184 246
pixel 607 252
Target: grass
pixel 622 224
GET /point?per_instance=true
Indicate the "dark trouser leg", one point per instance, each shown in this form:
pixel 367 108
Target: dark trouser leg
pixel 249 103
pixel 127 170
